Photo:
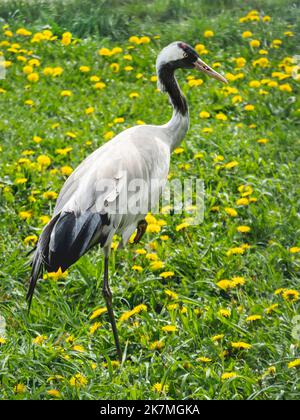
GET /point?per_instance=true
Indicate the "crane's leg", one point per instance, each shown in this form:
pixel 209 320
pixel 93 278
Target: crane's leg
pixel 108 299
pixel 141 229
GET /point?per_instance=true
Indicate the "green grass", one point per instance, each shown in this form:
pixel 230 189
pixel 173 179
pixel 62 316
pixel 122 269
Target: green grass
pixel 196 255
pixel 117 19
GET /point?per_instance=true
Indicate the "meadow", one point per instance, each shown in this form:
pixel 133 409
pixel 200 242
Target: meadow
pixel 204 312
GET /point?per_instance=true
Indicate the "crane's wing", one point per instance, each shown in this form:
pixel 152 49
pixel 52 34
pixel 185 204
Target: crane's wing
pixel 91 208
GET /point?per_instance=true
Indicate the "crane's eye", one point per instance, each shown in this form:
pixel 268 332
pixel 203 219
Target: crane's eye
pixel 185 54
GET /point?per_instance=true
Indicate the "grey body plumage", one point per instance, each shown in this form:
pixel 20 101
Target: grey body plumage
pixel 82 216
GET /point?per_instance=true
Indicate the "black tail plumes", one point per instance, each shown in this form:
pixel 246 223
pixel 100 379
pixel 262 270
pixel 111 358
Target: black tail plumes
pixel 63 241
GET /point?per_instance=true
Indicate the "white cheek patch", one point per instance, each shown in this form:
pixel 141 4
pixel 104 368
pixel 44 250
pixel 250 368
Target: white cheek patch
pixel 170 53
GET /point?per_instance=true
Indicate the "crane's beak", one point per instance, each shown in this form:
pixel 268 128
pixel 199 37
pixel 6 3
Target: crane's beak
pixel 202 66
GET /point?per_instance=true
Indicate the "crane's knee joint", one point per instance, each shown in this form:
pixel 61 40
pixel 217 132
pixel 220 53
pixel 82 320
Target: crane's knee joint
pixel 107 293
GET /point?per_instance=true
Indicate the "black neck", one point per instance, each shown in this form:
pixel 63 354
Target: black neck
pixel 170 85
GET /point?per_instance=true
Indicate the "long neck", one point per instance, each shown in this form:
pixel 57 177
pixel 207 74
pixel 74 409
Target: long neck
pixel 178 126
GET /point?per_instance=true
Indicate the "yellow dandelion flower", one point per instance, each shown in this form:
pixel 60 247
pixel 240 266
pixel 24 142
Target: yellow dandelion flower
pixel 134 39
pixel 44 219
pixel 231 212
pixel 29 102
pixel 228 375
pixel 66 170
pixel 20 388
pixel 66 93
pixel 157 345
pixel 231 165
pixel 167 274
pixel 261 62
pixel 66 39
pixel 199 48
pixel 241 345
pixel 21 181
pixel 294 364
pixel 271 308
pixel 238 281
pixel 225 284
pixel 141 251
pixel 152 257
pixel 94 78
pixel 44 160
pixel 97 313
pixel 89 110
pixel 204 359
pixel 108 135
pixel 266 18
pixel 204 114
pixel 39 340
pixel 54 393
pixel 178 150
pixel 247 34
pixel 221 116
pixel 171 294
pixel 84 69
pixel 290 295
pixel 208 34
pixel 242 202
pixel 217 337
pixel 294 250
pixel 56 275
pixel 254 43
pixel 169 328
pixel 157 265
pixel 240 62
pixel 144 40
pixel 137 268
pixel 285 87
pixel 27 69
pixel 172 306
pixel 78 348
pixel 263 141
pixel 181 226
pixel 160 388
pixel 23 32
pixel 226 313
pixel 114 363
pixel 134 95
pixel 253 318
pixel 153 228
pixel 236 99
pixel 50 195
pixel 243 229
pixel 207 130
pixel 93 328
pixel 25 215
pixel 78 380
pixel 254 83
pixel 235 251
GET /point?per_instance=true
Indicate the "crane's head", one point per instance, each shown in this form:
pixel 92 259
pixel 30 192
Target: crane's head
pixel 181 55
